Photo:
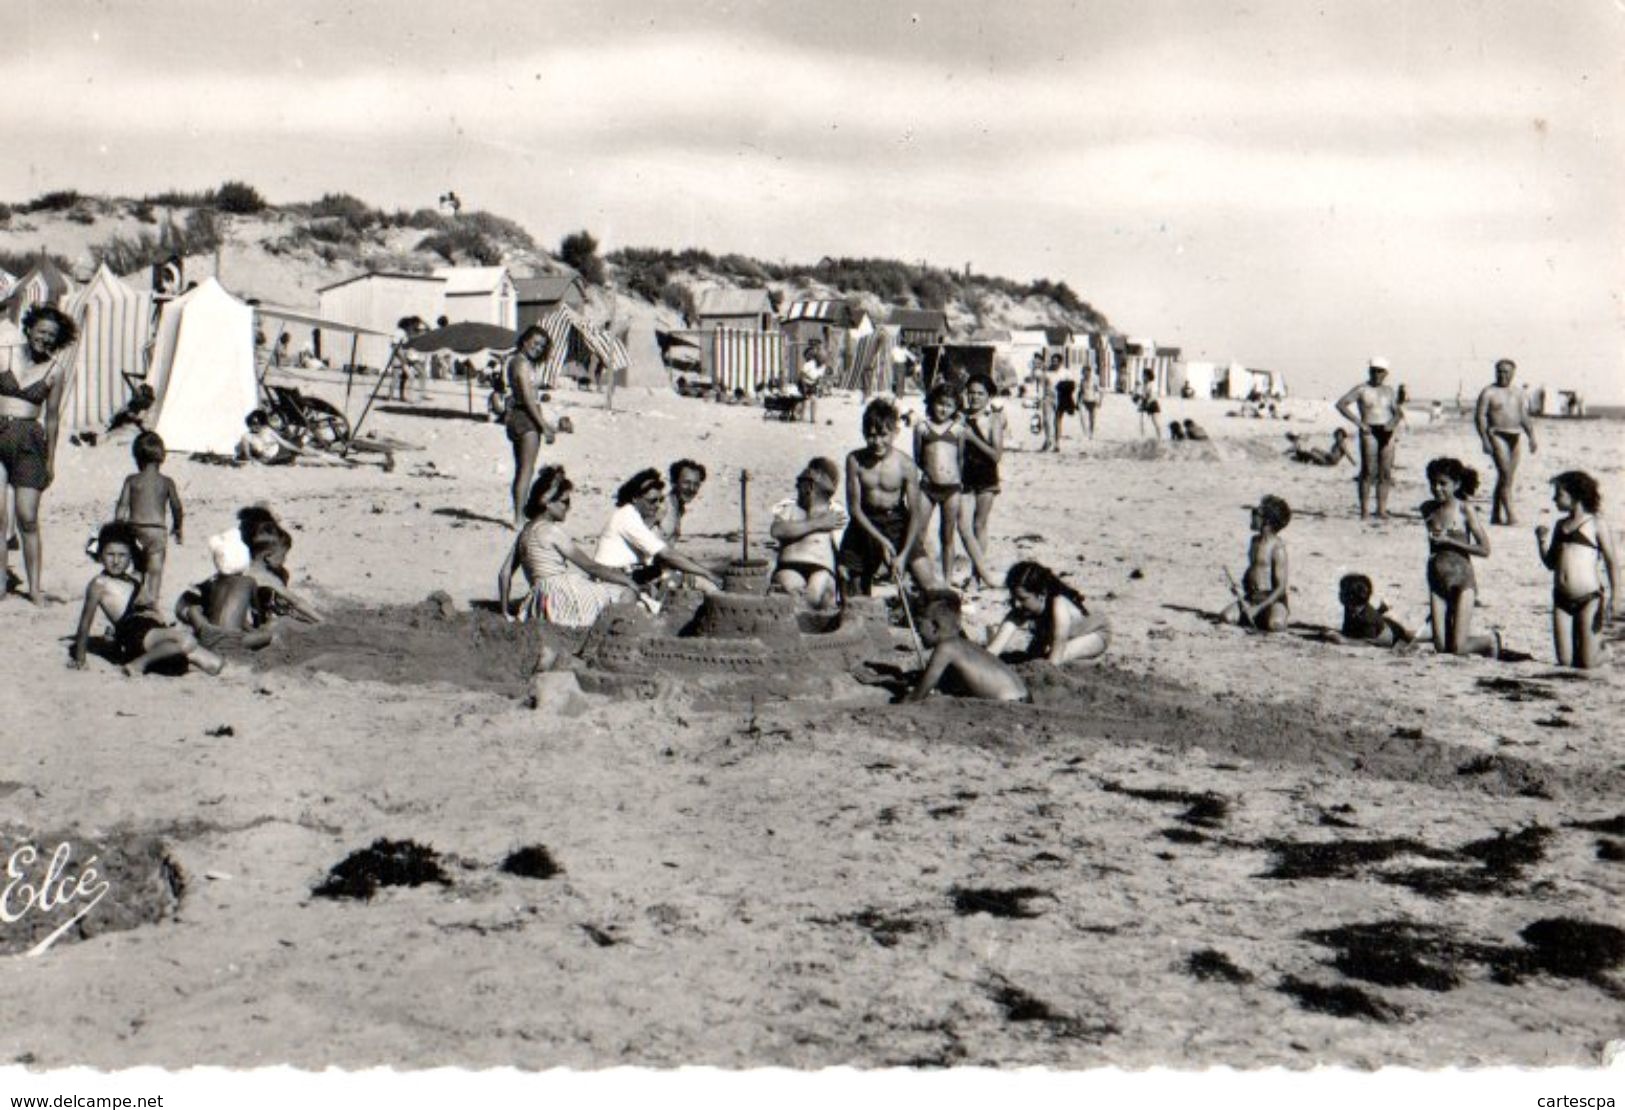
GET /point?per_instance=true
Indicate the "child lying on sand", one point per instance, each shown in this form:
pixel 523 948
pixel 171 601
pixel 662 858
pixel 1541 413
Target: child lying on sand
pixel 1367 623
pixel 139 633
pixel 957 666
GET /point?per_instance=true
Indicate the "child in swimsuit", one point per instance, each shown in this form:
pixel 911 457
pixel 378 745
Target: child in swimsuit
pixel 805 529
pixel 957 666
pixel 140 637
pixel 882 500
pixel 939 448
pixel 1365 622
pixel 1579 543
pixel 1262 602
pixel 148 496
pixel 1454 536
pixel 979 461
pixel 1061 628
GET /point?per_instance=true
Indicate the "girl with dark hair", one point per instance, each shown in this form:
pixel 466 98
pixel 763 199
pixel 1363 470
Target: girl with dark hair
pixel 983 448
pixel 1455 536
pixel 526 424
pixel 630 542
pixel 33 384
pixel 1061 626
pixel 560 593
pixel 1579 545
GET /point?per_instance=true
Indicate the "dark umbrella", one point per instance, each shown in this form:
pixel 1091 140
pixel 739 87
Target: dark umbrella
pixel 466 339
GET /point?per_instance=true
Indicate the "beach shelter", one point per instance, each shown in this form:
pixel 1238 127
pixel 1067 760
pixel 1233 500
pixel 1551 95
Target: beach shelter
pixel 114 320
pixel 203 370
pixel 44 283
pixel 576 340
pixel 747 360
pixel 7 280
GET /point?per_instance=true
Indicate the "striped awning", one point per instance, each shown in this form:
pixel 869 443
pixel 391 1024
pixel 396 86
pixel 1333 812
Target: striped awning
pixel 576 340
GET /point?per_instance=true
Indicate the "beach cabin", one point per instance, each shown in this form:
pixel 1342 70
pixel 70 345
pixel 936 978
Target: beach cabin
pixel 539 296
pixel 114 321
pixel 480 294
pixel 918 327
pixel 1241 382
pixel 377 301
pixel 44 283
pixel 1202 377
pixel 7 280
pixel 738 309
pixel 833 323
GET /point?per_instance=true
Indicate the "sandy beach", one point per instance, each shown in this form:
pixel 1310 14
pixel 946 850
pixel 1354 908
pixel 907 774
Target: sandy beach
pixel 1166 860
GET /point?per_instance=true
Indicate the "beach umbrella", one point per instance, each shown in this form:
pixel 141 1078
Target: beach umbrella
pixel 466 339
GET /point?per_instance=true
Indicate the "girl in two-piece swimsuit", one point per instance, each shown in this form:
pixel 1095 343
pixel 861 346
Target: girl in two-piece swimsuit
pixel 939 448
pixel 1454 535
pixel 1580 605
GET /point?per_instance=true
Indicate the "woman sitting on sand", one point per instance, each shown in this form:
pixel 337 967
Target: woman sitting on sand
pixel 567 587
pixel 629 541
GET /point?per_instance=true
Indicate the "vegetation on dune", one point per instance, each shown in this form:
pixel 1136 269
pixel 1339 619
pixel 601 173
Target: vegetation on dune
pixel 579 251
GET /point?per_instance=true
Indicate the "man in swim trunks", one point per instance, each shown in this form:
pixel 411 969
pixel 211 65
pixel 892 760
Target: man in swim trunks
pixel 1378 416
pixel 1502 418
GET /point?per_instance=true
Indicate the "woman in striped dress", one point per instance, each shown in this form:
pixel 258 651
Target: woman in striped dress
pixel 567 587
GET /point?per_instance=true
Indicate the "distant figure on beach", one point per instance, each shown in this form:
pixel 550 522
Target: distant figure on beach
pixel 1580 547
pixel 958 667
pixel 1455 536
pixel 527 425
pixel 1261 601
pixel 979 465
pixel 805 529
pixel 1373 407
pixel 1044 385
pixel 1061 628
pixel 567 586
pixel 1066 395
pixel 1089 398
pixel 1194 431
pixel 140 636
pixel 1365 622
pixel 883 504
pixel 1502 419
pixel 939 452
pixel 1150 407
pixel 810 379
pixel 1320 456
pixel 149 497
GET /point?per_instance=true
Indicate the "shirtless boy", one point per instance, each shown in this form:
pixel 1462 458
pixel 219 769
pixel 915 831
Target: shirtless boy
pixel 1502 418
pixel 882 500
pixel 149 497
pixel 1262 603
pixel 959 667
pixel 1374 408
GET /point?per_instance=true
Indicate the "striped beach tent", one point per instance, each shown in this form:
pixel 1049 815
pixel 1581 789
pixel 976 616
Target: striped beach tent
pixel 43 284
pixel 872 369
pixel 114 319
pixel 746 360
pixel 7 280
pixel 576 340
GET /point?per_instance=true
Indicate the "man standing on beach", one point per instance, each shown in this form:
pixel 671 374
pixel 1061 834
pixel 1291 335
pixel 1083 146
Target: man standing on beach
pixel 1502 417
pixel 1379 418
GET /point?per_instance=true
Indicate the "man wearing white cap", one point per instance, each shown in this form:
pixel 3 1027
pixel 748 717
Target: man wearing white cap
pixel 1374 408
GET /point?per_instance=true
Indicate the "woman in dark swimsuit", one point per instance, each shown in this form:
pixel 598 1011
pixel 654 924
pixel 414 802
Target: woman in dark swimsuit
pixel 1580 545
pixel 33 382
pixel 527 427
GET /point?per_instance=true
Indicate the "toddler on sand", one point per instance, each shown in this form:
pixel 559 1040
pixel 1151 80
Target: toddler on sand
pixel 147 498
pixel 1261 603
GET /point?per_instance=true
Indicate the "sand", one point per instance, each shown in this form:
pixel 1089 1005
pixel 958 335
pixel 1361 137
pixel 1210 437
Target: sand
pixel 1125 872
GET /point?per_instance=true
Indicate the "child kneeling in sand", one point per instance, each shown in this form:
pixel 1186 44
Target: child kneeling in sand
pixel 140 636
pixel 959 667
pixel 1455 537
pixel 805 529
pixel 1261 603
pixel 1365 622
pixel 1062 628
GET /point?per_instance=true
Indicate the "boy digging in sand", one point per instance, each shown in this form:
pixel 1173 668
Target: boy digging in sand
pixel 1261 602
pixel 148 496
pixel 882 499
pixel 959 667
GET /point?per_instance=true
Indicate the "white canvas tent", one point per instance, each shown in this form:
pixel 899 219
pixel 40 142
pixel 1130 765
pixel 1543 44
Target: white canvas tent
pixel 203 370
pixel 114 319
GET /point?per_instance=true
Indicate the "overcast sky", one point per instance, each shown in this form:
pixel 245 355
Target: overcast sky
pixel 1293 184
